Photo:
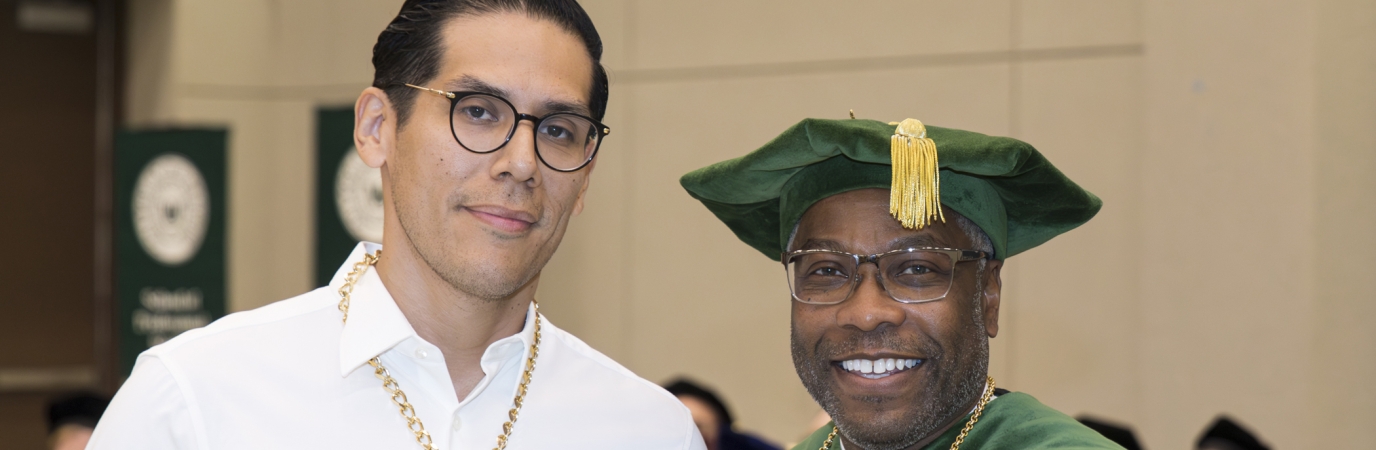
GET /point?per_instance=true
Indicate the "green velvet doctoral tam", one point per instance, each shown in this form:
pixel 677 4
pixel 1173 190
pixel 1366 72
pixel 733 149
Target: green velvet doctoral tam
pixel 1013 421
pixel 1001 184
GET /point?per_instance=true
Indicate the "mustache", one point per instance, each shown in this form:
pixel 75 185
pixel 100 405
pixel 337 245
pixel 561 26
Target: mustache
pixel 879 339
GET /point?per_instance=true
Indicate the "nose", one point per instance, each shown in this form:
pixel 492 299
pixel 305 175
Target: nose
pixel 870 306
pixel 517 160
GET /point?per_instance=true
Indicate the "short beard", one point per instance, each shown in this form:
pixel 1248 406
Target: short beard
pixel 479 281
pixel 947 395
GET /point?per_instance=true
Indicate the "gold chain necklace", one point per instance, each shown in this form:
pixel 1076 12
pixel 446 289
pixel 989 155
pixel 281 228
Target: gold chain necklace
pixel 408 412
pixel 979 409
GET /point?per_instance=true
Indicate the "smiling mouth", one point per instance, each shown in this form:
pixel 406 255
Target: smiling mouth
pixel 508 220
pixel 877 368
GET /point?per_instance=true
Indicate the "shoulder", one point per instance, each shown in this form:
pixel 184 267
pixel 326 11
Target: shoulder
pixel 816 439
pixel 283 330
pixel 612 396
pixel 1017 420
pixel 607 377
pixel 286 314
pixel 603 372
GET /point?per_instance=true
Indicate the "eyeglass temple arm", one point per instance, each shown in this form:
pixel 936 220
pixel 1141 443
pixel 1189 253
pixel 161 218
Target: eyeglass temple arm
pixel 448 95
pixel 968 255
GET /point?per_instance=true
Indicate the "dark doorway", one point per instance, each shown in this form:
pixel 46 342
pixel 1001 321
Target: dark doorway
pixel 58 82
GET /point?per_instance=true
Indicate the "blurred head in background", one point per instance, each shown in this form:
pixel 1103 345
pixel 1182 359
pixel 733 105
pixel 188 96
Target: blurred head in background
pixel 72 418
pixel 1225 434
pixel 709 413
pixel 713 419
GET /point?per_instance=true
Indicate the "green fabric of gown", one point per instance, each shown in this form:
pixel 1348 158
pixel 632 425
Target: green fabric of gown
pixel 1011 421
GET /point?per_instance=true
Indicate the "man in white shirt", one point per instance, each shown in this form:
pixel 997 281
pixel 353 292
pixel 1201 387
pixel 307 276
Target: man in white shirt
pixel 483 118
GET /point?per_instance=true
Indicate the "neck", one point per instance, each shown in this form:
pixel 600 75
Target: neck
pixel 461 325
pixel 957 421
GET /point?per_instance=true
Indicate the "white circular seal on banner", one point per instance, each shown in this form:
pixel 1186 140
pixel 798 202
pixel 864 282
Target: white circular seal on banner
pixel 358 196
pixel 171 207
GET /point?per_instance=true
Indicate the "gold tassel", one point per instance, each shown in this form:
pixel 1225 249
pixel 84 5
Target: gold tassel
pixel 915 195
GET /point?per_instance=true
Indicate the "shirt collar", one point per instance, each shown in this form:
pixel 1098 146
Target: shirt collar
pixel 376 324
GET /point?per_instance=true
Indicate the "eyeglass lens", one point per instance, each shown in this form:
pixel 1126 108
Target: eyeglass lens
pixel 829 277
pixel 483 123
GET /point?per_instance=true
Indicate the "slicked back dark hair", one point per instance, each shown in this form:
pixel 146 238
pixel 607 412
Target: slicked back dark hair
pixel 410 49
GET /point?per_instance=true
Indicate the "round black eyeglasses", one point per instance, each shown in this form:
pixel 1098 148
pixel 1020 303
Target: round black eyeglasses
pixel 484 123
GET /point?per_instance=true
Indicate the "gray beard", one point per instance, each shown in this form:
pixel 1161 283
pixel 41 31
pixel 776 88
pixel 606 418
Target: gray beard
pixel 968 367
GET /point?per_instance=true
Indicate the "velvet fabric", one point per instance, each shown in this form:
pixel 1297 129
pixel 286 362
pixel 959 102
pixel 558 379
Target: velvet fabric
pixel 1001 184
pixel 1014 421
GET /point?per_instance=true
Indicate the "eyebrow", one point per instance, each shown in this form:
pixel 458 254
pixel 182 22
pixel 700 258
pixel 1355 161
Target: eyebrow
pixel 821 244
pixel 473 84
pixel 917 241
pixel 921 240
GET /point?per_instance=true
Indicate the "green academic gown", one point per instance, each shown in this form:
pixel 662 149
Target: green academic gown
pixel 1012 421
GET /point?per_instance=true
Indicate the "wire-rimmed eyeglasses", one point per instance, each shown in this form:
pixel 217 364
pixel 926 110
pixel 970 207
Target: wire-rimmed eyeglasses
pixel 910 275
pixel 484 123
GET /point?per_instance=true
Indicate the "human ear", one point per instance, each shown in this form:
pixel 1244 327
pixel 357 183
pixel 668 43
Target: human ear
pixel 993 287
pixel 374 127
pixel 583 191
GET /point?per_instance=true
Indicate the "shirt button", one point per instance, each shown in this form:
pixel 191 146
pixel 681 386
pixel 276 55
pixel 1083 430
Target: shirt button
pixel 421 353
pixel 457 423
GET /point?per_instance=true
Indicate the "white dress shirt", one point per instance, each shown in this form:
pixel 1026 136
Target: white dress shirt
pixel 291 375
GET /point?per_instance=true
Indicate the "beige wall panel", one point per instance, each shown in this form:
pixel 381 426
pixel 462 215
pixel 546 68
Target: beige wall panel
pixel 1077 23
pixel 726 32
pixel 1343 398
pixel 271 191
pixel 148 53
pixel 1075 329
pixel 224 43
pixel 1227 263
pixel 706 305
pixel 613 25
pixel 328 42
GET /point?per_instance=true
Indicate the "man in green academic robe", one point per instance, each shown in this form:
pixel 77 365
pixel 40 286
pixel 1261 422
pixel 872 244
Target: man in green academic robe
pixel 894 274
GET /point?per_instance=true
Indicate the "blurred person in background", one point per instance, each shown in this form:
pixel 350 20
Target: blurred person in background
pixel 72 418
pixel 892 237
pixel 713 418
pixel 1119 434
pixel 483 117
pixel 1225 434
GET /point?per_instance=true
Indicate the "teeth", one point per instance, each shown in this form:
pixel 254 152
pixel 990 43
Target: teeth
pixel 879 368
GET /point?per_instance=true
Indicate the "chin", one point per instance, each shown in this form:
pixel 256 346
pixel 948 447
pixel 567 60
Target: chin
pixel 488 281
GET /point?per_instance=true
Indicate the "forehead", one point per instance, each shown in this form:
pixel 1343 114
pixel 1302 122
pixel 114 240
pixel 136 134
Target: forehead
pixel 533 61
pixel 859 222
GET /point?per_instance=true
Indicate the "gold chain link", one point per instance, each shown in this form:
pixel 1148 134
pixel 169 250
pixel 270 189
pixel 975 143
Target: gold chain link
pixel 390 384
pixel 351 278
pixel 408 412
pixel 525 383
pixel 984 400
pixel 979 409
pixel 826 445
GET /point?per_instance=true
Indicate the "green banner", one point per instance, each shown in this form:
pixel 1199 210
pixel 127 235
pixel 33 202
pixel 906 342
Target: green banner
pixel 169 235
pixel 348 206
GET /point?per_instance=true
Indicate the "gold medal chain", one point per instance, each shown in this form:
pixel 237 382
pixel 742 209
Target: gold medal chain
pixel 390 384
pixel 979 409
